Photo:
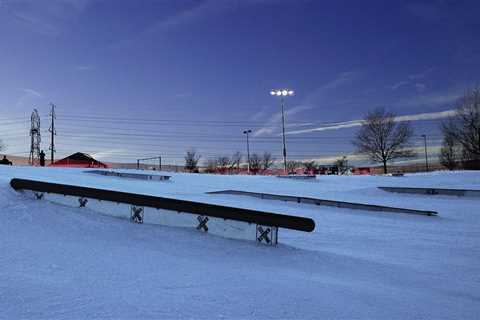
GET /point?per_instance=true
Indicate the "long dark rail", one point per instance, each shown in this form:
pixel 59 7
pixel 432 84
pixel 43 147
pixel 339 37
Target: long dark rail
pixel 212 210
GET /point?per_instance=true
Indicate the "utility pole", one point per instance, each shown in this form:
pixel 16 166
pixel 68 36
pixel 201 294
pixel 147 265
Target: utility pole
pixel 248 150
pixel 53 132
pixel 426 154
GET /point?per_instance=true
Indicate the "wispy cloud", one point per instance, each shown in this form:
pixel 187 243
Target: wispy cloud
pixel 399 84
pixel 359 122
pixel 32 92
pixel 433 99
pixel 29 98
pixel 203 10
pixel 45 17
pixel 272 124
pixel 106 154
pixel 319 95
pixel 414 80
pixel 421 75
pixel 83 68
pixel 421 87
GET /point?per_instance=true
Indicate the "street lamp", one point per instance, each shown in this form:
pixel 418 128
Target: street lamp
pixel 282 93
pixel 426 154
pixel 248 150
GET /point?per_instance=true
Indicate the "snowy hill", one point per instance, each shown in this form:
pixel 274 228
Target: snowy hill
pixel 58 262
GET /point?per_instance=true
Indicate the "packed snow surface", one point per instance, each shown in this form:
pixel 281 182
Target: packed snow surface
pixel 59 262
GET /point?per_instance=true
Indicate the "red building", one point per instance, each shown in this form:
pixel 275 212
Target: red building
pixel 362 170
pixel 79 160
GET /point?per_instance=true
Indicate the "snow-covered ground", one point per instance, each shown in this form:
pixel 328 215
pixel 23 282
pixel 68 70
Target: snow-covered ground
pixel 58 262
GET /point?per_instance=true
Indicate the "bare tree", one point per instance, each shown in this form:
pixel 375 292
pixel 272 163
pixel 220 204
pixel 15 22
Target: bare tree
pixel 255 163
pixel 236 160
pixel 464 127
pixel 223 163
pixel 267 160
pixel 342 165
pixel 191 160
pixel 310 166
pixel 449 153
pixel 292 165
pixel 382 139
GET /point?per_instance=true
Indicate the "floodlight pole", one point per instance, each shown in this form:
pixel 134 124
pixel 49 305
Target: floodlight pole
pixel 426 154
pixel 282 94
pixel 284 141
pixel 248 150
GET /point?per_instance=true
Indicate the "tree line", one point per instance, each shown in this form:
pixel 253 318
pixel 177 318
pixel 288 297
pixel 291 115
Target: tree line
pixel 382 139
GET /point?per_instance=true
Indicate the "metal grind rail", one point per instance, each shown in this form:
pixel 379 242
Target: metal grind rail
pixel 323 202
pixel 267 223
pixel 434 191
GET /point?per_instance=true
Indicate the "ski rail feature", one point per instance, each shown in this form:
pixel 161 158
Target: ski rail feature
pixel 323 202
pixel 434 191
pixel 185 206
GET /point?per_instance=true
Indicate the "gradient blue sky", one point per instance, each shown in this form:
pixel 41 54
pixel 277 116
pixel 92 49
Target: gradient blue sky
pixel 197 73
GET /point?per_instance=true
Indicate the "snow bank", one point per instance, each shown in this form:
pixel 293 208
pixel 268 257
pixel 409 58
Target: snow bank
pixel 58 262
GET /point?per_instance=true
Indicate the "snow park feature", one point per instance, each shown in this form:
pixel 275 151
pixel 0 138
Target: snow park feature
pixel 61 261
pixel 323 202
pixel 129 175
pixel 267 223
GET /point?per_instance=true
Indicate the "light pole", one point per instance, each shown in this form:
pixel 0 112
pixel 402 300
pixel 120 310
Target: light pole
pixel 426 154
pixel 248 150
pixel 282 94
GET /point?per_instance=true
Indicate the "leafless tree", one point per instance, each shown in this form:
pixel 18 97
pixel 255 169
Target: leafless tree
pixel 342 165
pixel 382 139
pixel 267 160
pixel 191 160
pixel 223 162
pixel 236 160
pixel 292 165
pixel 464 127
pixel 310 166
pixel 255 163
pixel 2 146
pixel 450 153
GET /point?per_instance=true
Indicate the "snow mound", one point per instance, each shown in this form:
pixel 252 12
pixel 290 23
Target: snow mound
pixel 58 262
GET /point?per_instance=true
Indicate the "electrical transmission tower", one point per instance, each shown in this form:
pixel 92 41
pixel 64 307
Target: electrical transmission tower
pixel 52 131
pixel 36 138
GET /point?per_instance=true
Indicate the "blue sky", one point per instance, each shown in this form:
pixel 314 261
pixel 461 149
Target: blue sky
pixel 197 73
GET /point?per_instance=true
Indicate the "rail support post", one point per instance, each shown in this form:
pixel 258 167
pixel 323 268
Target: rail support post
pixel 82 202
pixel 267 234
pixel 39 195
pixel 136 214
pixel 202 223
